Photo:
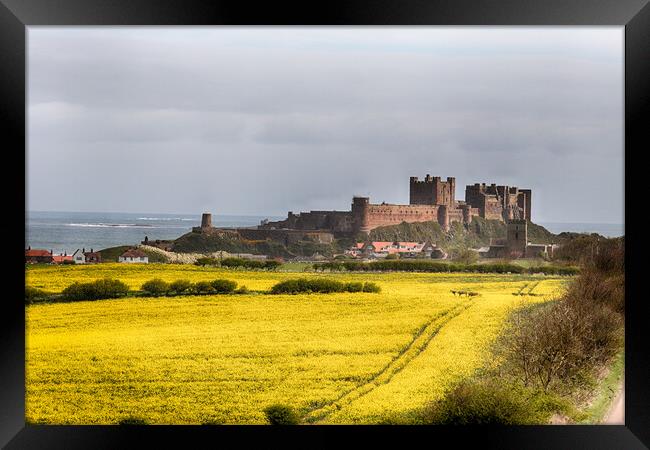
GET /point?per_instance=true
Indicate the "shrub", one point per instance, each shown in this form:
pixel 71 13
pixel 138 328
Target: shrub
pixel 180 286
pixel 299 285
pixel 242 290
pixel 105 288
pixel 205 261
pixel 132 421
pixel 247 263
pixel 250 263
pixel 371 287
pixel 223 286
pixel 155 287
pixel 272 265
pixel 320 285
pixel 558 343
pixel 486 402
pixel 332 265
pixel 467 256
pixel 233 262
pixel 67 262
pixel 419 265
pixel 281 415
pixel 354 286
pixel 33 295
pixel 203 287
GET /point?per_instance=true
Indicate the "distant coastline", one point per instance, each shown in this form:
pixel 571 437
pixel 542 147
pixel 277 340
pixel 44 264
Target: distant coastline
pixel 66 231
pixel 62 231
pixel 605 229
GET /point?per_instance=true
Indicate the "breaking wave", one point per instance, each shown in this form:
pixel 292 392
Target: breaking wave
pixel 167 218
pixel 110 225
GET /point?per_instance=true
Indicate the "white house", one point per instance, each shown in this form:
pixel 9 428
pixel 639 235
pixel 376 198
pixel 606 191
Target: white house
pixel 133 256
pixel 78 257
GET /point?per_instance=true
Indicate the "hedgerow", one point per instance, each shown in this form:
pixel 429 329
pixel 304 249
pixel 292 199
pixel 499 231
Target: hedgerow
pixel 156 287
pixel 436 267
pixel 250 264
pixel 94 290
pixel 321 286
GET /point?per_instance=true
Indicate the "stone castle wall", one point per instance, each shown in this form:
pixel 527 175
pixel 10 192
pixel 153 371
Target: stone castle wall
pixel 385 214
pixel 430 199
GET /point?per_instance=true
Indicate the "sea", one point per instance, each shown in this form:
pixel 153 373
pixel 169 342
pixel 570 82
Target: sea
pixel 64 232
pixel 604 229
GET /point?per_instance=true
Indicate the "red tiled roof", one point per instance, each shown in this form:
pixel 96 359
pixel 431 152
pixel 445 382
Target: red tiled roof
pixel 394 247
pixel 36 252
pixel 133 253
pixel 381 245
pixel 61 258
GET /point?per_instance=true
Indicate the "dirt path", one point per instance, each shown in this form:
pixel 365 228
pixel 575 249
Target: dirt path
pixel 616 413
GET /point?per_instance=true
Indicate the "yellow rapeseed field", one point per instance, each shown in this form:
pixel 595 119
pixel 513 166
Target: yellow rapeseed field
pixel 336 358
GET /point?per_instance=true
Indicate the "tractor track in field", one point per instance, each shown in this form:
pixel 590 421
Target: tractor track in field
pixel 429 330
pixel 530 290
pixel 527 288
pixel 521 289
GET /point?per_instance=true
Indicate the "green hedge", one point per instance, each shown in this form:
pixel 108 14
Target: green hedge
pixel 156 287
pixel 321 286
pixel 99 289
pixel 224 286
pixel 180 286
pixel 34 295
pixel 207 262
pixel 435 266
pixel 250 264
pixel 281 415
pixel 482 403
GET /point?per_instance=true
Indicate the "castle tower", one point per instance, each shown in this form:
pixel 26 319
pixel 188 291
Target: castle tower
pixel 206 220
pixel 517 238
pixel 443 217
pixel 432 191
pixel 360 214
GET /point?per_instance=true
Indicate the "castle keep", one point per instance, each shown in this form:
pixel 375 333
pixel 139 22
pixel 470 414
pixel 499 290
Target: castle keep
pixel 430 199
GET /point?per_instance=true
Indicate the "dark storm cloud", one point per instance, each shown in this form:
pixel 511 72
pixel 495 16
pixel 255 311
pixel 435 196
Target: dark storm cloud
pixel 264 120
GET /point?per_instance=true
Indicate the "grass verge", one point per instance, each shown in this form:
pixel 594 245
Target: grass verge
pixel 606 391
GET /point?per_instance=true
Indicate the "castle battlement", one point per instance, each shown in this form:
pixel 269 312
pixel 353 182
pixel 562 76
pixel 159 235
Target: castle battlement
pixel 430 199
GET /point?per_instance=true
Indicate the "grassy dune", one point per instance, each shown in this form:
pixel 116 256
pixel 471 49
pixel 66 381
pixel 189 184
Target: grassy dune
pixel 336 358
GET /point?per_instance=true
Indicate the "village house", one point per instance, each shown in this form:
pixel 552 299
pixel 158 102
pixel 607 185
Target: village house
pixel 33 256
pixel 133 256
pixel 381 249
pixel 84 257
pixel 60 259
pixel 78 257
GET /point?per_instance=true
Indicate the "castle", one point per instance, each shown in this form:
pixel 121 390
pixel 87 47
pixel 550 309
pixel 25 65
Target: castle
pixel 431 199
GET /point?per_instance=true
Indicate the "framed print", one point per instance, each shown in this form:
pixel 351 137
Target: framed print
pixel 375 220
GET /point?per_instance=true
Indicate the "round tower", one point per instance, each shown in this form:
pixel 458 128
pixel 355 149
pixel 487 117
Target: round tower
pixel 206 220
pixel 443 217
pixel 360 214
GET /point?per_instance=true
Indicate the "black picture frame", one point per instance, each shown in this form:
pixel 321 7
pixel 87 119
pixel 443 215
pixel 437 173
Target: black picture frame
pixel 16 15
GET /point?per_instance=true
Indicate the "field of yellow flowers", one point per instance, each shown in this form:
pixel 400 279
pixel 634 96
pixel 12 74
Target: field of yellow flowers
pixel 335 358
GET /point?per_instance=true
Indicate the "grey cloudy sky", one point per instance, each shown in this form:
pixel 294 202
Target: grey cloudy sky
pixel 261 120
